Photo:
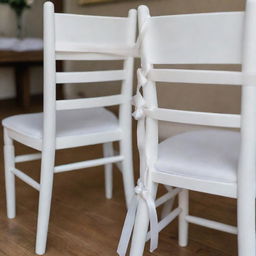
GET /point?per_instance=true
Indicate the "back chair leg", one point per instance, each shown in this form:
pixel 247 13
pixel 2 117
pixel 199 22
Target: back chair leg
pixel 183 224
pixel 108 151
pixel 9 162
pixel 246 226
pixel 141 226
pixel 47 172
pixel 140 230
pixel 127 170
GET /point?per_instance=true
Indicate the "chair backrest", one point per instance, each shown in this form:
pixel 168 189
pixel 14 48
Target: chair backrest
pixel 82 37
pixel 207 38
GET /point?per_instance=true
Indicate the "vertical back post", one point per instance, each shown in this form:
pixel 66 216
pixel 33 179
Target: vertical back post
pixel 149 91
pixel 49 76
pixel 247 163
pixel 125 120
pixel 49 129
pixel 125 112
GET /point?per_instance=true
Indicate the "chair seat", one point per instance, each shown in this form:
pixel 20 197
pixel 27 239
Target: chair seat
pixel 69 123
pixel 204 154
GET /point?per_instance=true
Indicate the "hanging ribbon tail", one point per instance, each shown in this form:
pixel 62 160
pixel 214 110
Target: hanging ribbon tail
pixel 142 193
pixel 128 227
pixel 154 232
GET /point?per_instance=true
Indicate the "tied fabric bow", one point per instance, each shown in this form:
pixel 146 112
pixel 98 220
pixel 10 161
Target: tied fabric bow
pixel 141 191
pixel 138 99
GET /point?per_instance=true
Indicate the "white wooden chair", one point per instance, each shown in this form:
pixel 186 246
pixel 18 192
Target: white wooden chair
pixel 215 161
pixel 75 122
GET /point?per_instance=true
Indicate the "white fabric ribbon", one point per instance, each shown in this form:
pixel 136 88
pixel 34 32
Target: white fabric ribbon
pixel 141 189
pixel 140 192
pixel 138 99
pixel 139 115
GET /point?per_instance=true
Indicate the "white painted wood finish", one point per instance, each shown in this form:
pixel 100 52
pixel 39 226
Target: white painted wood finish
pixel 166 221
pixel 211 224
pixel 26 179
pixel 196 76
pixel 216 30
pixel 9 163
pixel 163 199
pixel 90 77
pixel 104 101
pixel 210 38
pixel 192 117
pixel 28 157
pixel 77 37
pixel 109 152
pixel 88 163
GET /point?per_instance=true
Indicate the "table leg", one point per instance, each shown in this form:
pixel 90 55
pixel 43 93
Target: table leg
pixel 22 85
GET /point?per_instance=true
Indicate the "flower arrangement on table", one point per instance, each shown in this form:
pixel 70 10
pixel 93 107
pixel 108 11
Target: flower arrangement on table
pixel 18 6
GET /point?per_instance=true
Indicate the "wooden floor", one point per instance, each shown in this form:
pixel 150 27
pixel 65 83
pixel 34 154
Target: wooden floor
pixel 84 223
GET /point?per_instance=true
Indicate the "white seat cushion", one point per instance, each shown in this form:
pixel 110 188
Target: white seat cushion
pixel 69 122
pixel 204 154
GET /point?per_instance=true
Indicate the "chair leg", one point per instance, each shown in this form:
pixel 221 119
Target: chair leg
pixel 140 230
pixel 246 226
pixel 127 170
pixel 183 224
pixel 141 226
pixel 108 151
pixel 46 183
pixel 9 163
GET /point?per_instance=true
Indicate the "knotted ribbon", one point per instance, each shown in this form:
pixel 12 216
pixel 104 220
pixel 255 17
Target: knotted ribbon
pixel 138 99
pixel 141 191
pixel 144 194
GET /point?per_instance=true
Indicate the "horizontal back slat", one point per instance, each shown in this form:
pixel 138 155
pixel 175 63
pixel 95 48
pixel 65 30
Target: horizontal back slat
pixel 96 34
pixel 196 118
pixel 86 56
pixel 196 76
pixel 195 38
pixel 88 77
pixel 90 102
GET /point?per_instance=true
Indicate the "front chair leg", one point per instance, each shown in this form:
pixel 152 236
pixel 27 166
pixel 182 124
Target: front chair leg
pixel 47 172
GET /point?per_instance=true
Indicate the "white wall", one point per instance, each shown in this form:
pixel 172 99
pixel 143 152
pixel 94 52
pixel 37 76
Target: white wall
pixel 32 27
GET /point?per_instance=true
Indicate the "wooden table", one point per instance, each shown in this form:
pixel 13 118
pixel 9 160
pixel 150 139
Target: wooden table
pixel 22 61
